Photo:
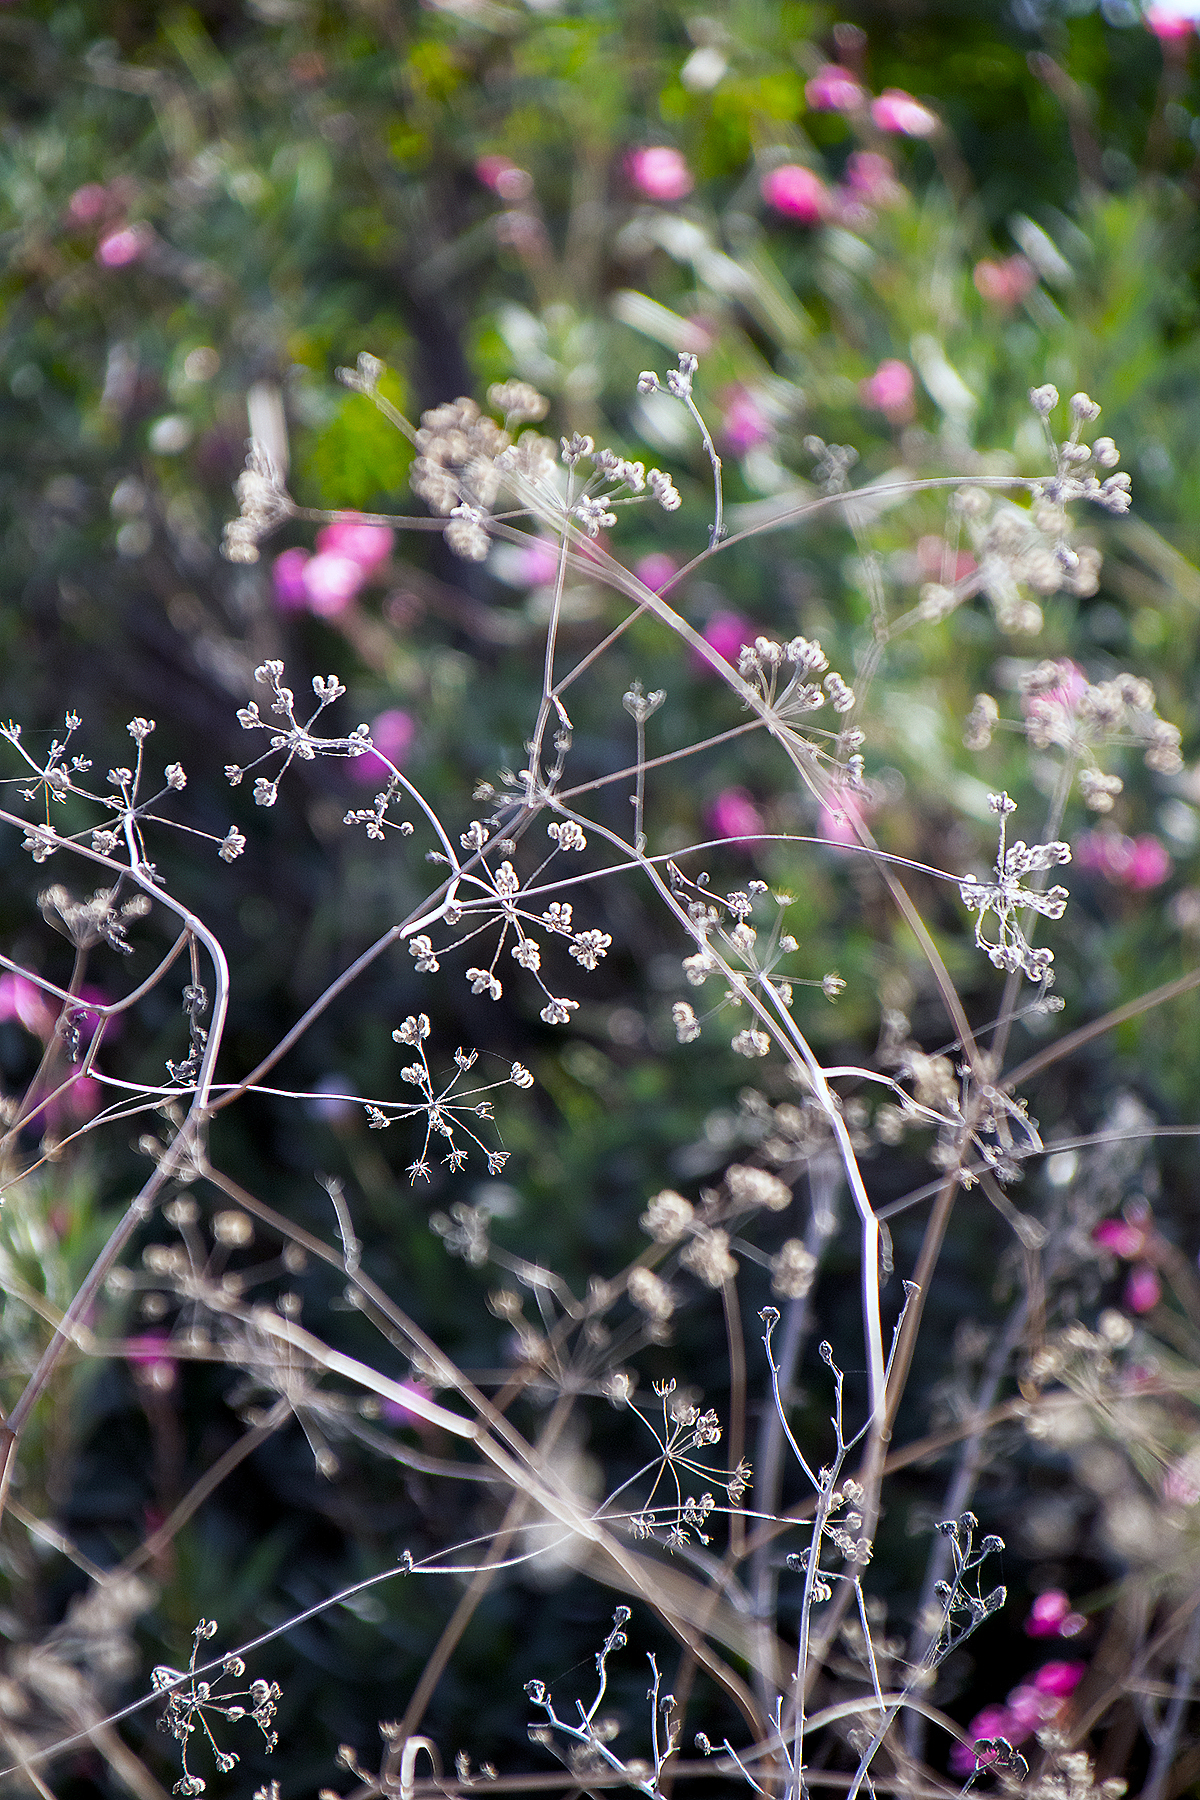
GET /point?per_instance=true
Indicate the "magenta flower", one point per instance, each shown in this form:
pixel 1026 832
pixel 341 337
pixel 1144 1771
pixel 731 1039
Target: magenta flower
pixel 151 1365
pixel 21 1000
pixel 897 111
pixel 88 203
pixel 1137 863
pixel 1143 1290
pixel 395 1411
pixel 733 814
pixel 890 389
pixel 834 89
pixel 1149 864
pixel 1119 1236
pixel 126 245
pixel 796 192
pixel 744 425
pixel 287 580
pixel 991 1722
pixel 655 570
pixel 538 563
pixel 1051 1616
pixel 87 1021
pixel 726 632
pixel 391 733
pixel 837 819
pixel 504 177
pixel 1059 1680
pixel 1172 18
pixel 1005 283
pixel 367 545
pixel 81 1101
pixel 871 177
pixel 330 583
pixel 659 172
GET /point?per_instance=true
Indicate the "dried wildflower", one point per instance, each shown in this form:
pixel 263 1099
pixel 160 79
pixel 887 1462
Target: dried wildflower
pixel 757 1187
pixel 1007 898
pixel 667 1217
pixel 687 1026
pixel 650 1294
pixel 707 1256
pixel 589 947
pixel 751 1043
pixel 265 503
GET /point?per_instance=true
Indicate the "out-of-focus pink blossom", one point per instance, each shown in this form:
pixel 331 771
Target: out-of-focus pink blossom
pixel 1071 686
pixel 367 545
pixel 287 580
pixel 1181 1483
pixel 726 632
pixel 21 1000
pixel 537 563
pixel 331 582
pixel 796 192
pixel 744 425
pixel 1172 18
pixel 1059 1679
pixel 1028 1707
pixel 897 111
pixel 1119 1236
pixel 1051 1616
pixel 890 389
pixel 81 1101
pixel 504 177
pixel 837 819
pixel 88 203
pixel 147 1357
pixel 1137 863
pixel 1005 283
pixel 733 814
pixel 991 1722
pixel 655 570
pixel 392 733
pixel 1143 1290
pixel 86 1021
pixel 659 172
pixel 127 245
pixel 932 557
pixel 834 89
pixel 395 1411
pixel 870 175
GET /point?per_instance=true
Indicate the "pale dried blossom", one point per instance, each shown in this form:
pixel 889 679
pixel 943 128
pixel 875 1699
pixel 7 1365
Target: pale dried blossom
pixel 558 1012
pixel 757 1187
pixel 1064 710
pixel 264 501
pixel 708 1257
pixel 650 1294
pixel 590 947
pixel 751 1043
pixel 1007 899
pixel 687 1026
pixel 667 1217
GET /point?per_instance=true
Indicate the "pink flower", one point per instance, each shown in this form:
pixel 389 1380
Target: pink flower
pixel 890 389
pixel 1028 1708
pixel 733 814
pixel 367 545
pixel 659 172
pixel 1149 864
pixel 1172 18
pixel 88 203
pixel 1051 1616
pixel 870 175
pixel 796 192
pixel 656 570
pixel 726 632
pixel 1119 1236
pixel 1072 683
pixel 395 1411
pixel 1059 1680
pixel 152 1367
pixel 538 562
pixel 1143 1290
pixel 87 1021
pixel 21 1000
pixel 992 1722
pixel 504 177
pixel 837 819
pixel 331 582
pixel 897 111
pixel 1136 863
pixel 127 245
pixel 932 559
pixel 1005 283
pixel 287 580
pixel 82 1100
pixel 392 732
pixel 744 425
pixel 834 89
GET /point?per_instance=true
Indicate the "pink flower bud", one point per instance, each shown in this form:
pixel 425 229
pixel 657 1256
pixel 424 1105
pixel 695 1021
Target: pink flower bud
pixel 744 425
pixel 21 1000
pixel 872 178
pixel 504 177
pixel 733 814
pixel 1119 1236
pixel 88 203
pixel 834 89
pixel 1143 1290
pixel 726 632
pixel 656 570
pixel 367 545
pixel 1149 864
pixel 890 389
pixel 795 192
pixel 1059 1679
pixel 392 733
pixel 330 583
pixel 1005 283
pixel 127 245
pixel 1172 18
pixel 659 172
pixel 1047 1614
pixel 897 111
pixel 287 580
